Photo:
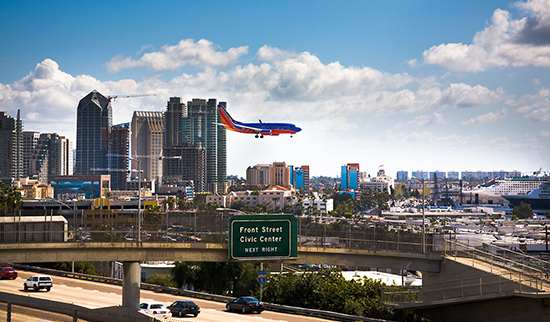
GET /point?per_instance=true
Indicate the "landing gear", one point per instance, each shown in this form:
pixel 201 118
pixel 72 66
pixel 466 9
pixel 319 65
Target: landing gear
pixel 261 136
pixel 256 136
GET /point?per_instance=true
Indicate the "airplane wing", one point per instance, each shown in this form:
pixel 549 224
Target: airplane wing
pixel 246 128
pixel 250 128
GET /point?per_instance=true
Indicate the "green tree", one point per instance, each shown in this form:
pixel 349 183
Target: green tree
pixel 103 232
pixel 523 211
pixel 233 278
pixel 79 267
pixel 10 199
pixel 161 279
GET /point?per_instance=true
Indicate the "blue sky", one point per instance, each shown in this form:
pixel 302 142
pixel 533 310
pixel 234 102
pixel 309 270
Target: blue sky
pixel 411 85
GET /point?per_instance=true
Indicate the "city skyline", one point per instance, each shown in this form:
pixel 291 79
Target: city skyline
pixel 411 86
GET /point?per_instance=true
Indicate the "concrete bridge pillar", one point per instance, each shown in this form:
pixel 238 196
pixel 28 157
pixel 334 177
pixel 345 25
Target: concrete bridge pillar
pixel 130 284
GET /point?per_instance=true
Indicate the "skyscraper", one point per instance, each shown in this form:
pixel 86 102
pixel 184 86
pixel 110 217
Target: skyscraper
pixel 183 164
pixel 174 116
pixel 147 142
pixel 11 147
pixel 118 140
pixel 30 143
pixel 94 113
pixel 199 129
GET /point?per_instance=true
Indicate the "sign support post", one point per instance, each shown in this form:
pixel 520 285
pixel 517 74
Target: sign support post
pixel 261 279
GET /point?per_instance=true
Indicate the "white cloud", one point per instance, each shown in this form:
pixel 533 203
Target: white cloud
pixel 504 42
pixel 203 53
pixel 535 108
pixel 412 62
pixel 487 118
pixel 268 53
pixel 424 120
pixel 295 88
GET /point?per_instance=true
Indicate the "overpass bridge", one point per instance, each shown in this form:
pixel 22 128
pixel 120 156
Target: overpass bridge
pixel 454 274
pixel 131 254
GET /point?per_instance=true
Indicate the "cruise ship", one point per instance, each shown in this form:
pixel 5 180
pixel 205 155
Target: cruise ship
pixel 496 190
pixel 538 199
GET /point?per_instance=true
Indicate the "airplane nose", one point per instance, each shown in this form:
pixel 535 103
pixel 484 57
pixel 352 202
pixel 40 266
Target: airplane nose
pixel 297 129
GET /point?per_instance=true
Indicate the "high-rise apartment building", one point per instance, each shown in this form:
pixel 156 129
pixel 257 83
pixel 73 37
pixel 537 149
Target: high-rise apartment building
pixel 258 174
pixel 402 175
pixel 453 175
pixel 147 141
pixel 11 147
pixel 200 130
pixel 46 154
pixel 350 176
pixel 439 174
pixel 117 138
pixel 174 119
pixel 299 178
pixel 280 175
pixel 184 163
pixel 30 143
pixel 419 174
pixel 94 113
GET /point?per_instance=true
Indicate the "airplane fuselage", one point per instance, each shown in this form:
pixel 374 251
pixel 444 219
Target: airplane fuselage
pixel 273 129
pixel 260 129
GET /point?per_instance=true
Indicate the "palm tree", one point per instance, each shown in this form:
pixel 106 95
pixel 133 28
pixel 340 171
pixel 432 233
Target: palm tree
pixel 274 200
pixel 11 199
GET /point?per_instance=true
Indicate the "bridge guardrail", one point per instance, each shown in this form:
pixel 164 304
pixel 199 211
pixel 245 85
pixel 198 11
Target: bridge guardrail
pixel 362 235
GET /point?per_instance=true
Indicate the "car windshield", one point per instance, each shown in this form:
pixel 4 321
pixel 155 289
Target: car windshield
pixel 157 306
pixel 44 278
pixel 9 269
pixel 251 300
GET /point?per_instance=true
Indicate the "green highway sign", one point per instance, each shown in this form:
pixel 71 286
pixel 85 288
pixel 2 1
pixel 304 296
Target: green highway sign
pixel 263 236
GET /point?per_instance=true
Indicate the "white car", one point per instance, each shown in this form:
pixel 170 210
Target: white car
pixel 38 282
pixel 155 308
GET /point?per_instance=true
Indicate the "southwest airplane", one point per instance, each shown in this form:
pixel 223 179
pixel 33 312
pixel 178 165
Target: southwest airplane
pixel 260 129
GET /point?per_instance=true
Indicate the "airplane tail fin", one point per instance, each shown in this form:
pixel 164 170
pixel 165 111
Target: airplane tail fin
pixel 227 120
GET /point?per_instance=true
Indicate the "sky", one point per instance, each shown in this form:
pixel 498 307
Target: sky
pixel 394 85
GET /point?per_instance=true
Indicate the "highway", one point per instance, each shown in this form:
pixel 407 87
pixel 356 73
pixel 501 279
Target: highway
pixel 98 295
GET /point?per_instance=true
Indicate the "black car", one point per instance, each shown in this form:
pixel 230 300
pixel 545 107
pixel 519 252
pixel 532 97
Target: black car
pixel 182 308
pixel 245 304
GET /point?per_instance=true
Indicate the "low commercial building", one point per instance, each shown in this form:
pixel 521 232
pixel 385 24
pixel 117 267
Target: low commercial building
pixel 322 205
pixel 33 229
pixel 276 197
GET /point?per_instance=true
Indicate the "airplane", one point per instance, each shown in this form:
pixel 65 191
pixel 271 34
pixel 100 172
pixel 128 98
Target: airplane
pixel 260 129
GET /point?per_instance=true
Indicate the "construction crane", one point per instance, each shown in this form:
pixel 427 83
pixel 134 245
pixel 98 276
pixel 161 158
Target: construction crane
pixel 114 97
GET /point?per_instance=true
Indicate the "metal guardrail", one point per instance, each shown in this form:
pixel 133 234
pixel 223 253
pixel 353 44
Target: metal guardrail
pixel 521 271
pixel 321 232
pixel 514 273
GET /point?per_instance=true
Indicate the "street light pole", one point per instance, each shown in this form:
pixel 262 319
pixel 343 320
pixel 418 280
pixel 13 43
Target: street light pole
pixel 139 200
pixel 423 220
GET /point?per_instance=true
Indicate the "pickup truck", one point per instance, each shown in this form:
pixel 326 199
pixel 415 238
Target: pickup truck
pixel 38 282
